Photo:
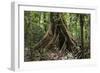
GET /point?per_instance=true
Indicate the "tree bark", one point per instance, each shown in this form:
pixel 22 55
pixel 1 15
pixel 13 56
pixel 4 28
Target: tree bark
pixel 82 33
pixel 57 37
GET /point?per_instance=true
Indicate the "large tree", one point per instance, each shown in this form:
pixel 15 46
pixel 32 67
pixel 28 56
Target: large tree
pixel 57 37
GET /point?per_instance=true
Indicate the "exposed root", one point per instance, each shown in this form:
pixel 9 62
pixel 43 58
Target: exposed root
pixel 57 37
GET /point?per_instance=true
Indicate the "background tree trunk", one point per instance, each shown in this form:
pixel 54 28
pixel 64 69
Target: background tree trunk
pixel 82 33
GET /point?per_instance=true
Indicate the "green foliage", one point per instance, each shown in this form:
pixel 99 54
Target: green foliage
pixel 36 25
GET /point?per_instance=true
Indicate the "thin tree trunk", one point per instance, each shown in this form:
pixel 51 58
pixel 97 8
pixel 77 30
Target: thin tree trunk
pixel 82 33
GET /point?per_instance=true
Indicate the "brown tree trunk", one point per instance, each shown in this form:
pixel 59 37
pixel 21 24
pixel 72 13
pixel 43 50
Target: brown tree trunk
pixel 57 36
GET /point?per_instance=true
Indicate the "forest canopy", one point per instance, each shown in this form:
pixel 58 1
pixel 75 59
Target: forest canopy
pixel 56 36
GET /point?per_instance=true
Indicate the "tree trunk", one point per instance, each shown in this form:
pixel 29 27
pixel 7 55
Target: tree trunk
pixel 57 37
pixel 82 34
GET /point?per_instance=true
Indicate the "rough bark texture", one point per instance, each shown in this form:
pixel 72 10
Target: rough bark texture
pixel 57 37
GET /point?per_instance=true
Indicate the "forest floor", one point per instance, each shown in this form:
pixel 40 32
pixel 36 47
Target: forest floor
pixel 51 56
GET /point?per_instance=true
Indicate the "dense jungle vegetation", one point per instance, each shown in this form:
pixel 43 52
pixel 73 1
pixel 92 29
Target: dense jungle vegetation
pixel 56 36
